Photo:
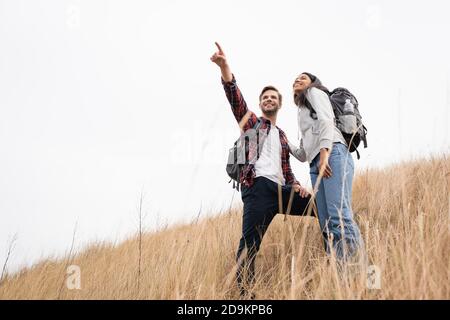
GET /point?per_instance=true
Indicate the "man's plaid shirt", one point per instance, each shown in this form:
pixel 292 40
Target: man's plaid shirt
pixel 247 120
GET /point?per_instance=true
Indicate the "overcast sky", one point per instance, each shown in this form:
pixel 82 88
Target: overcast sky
pixel 103 100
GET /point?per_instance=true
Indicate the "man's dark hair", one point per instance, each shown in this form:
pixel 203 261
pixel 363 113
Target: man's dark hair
pixel 267 88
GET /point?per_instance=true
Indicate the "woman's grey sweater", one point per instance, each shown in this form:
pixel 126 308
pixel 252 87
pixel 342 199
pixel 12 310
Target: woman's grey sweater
pixel 316 133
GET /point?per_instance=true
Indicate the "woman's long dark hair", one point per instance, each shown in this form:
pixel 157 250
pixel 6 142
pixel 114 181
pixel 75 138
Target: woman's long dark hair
pixel 300 98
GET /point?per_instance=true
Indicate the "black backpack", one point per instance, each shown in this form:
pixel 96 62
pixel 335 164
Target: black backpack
pixel 238 156
pixel 347 117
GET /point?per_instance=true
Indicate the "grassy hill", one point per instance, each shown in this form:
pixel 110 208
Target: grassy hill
pixel 403 212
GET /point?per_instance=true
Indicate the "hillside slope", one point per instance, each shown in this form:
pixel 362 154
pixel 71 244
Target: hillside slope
pixel 403 212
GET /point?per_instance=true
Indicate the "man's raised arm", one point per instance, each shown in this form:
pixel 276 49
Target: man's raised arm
pixel 234 95
pixel 220 59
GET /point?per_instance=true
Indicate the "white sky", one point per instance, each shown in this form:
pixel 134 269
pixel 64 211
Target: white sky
pixel 102 99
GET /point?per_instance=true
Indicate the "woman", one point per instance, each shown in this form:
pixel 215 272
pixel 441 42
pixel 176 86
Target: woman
pixel 331 166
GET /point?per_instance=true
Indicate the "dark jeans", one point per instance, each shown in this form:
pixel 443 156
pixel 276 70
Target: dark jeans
pixel 261 204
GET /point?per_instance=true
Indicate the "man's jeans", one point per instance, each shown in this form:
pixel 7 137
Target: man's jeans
pixel 260 206
pixel 334 198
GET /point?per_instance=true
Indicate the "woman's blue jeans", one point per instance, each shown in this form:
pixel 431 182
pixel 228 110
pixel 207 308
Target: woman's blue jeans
pixel 334 198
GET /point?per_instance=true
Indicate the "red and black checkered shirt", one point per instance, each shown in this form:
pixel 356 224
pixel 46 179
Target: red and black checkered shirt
pixel 239 108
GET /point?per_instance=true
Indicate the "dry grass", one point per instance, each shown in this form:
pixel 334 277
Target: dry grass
pixel 403 212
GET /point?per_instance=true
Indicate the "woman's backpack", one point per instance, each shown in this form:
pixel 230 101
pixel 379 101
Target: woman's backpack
pixel 347 117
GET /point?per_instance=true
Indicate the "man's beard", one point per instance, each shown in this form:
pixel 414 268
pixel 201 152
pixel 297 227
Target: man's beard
pixel 270 113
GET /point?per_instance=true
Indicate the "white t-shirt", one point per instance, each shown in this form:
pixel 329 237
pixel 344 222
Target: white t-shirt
pixel 269 163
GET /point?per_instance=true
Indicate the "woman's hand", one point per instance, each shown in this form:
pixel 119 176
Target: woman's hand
pixel 324 167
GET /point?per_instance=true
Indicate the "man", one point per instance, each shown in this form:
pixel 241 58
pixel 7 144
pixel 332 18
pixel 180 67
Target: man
pixel 268 184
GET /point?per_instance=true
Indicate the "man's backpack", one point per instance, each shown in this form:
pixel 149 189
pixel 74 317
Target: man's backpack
pixel 238 157
pixel 347 117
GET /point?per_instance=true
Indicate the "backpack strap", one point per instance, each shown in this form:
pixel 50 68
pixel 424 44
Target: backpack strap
pixel 257 127
pixel 236 184
pixel 364 136
pixel 312 112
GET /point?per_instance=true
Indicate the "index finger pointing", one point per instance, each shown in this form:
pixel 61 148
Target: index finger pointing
pixel 219 47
